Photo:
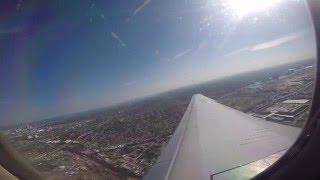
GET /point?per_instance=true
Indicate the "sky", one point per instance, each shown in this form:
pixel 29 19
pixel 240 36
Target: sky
pixel 60 57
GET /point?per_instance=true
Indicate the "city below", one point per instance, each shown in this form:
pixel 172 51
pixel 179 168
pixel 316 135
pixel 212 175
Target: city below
pixel 123 142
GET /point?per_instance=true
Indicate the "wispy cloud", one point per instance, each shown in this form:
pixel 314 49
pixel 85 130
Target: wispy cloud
pixel 268 44
pixel 236 51
pixel 141 7
pixel 182 53
pixel 136 11
pixel 275 42
pixel 115 36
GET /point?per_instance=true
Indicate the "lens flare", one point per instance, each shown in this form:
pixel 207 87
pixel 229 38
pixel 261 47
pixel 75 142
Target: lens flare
pixel 244 7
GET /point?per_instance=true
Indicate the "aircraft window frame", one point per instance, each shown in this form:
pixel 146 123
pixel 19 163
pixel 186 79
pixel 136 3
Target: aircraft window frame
pixel 18 167
pixel 311 127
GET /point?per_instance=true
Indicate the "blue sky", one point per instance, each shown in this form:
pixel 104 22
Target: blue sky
pixel 68 56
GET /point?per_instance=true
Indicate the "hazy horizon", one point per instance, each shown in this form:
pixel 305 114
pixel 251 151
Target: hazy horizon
pixel 138 99
pixel 62 58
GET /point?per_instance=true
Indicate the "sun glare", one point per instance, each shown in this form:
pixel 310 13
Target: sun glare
pixel 244 7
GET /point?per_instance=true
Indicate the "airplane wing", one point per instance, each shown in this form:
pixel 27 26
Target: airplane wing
pixel 214 141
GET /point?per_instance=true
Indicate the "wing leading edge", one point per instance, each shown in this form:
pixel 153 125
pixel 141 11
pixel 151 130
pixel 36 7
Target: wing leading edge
pixel 212 139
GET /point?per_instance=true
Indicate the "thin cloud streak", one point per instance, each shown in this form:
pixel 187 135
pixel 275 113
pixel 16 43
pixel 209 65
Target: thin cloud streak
pixel 141 7
pixel 267 44
pixel 115 36
pixel 276 42
pixel 180 54
pixel 236 52
pixel 136 11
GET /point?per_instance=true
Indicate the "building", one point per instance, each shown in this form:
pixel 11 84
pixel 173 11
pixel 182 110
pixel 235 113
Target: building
pixel 290 107
pixel 287 110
